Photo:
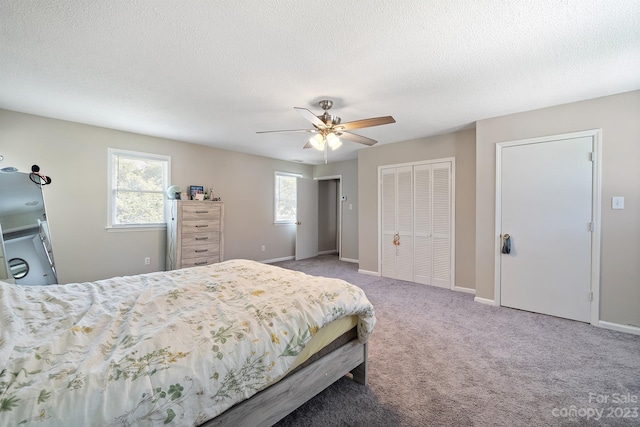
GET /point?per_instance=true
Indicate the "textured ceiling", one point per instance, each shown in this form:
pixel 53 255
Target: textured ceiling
pixel 215 72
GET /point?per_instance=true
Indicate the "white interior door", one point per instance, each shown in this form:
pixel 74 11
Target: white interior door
pixel 307 218
pixel 417 223
pixel 397 223
pixel 404 224
pixel 546 208
pixel 442 225
pixel 388 225
pixel 433 224
pixel 422 224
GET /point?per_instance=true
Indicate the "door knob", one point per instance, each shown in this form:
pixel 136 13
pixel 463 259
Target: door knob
pixel 298 223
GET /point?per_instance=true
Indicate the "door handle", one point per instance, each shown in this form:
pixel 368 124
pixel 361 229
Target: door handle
pixel 396 242
pixel 298 223
pixel 506 244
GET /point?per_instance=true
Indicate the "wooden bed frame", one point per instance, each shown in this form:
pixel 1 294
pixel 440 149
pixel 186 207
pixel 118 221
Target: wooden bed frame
pixel 277 401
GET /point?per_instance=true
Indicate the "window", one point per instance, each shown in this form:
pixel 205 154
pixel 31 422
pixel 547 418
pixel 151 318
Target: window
pixel 285 197
pixel 137 183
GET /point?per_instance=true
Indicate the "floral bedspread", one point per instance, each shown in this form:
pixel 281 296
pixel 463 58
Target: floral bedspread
pixel 174 348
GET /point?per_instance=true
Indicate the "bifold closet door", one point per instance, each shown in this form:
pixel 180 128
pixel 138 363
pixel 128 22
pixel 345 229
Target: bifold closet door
pixel 441 227
pixel 422 231
pixel 388 212
pixel 397 223
pixel 417 224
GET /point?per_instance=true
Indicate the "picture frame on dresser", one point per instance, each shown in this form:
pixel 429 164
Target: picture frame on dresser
pixel 194 190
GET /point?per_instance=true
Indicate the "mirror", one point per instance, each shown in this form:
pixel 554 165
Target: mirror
pixel 26 254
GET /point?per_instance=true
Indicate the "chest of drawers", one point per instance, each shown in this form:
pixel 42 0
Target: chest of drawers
pixel 194 233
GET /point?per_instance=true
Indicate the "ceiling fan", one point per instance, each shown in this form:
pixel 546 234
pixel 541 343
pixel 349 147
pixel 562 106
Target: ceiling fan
pixel 329 129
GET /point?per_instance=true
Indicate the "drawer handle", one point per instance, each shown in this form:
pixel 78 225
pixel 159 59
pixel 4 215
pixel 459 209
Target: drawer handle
pixel 202 226
pixel 201 238
pixel 202 262
pixel 202 250
pixel 202 211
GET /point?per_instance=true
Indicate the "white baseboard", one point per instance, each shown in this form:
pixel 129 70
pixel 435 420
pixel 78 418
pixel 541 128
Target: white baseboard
pixel 270 261
pixel 485 301
pixel 369 273
pixel 618 327
pixel 332 251
pixel 355 261
pixel 463 289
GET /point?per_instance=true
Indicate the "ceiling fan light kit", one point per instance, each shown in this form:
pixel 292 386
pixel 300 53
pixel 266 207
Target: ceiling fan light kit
pixel 319 141
pixel 333 141
pixel 329 129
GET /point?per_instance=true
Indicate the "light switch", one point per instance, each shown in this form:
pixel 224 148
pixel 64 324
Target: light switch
pixel 617 202
pixel 350 206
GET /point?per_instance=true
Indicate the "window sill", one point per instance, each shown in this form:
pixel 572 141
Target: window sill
pixel 125 228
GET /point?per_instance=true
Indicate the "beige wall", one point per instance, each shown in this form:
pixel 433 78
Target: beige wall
pixel 75 156
pixel 349 172
pixel 460 145
pixel 619 118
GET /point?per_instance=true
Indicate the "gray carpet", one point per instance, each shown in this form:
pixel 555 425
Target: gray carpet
pixel 437 358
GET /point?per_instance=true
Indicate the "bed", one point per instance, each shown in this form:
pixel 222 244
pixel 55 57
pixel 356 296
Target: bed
pixel 234 343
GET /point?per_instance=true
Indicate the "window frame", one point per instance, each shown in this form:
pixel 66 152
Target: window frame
pixel 114 153
pixel 276 198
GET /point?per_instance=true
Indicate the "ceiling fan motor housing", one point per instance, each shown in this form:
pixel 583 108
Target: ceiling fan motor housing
pixel 330 119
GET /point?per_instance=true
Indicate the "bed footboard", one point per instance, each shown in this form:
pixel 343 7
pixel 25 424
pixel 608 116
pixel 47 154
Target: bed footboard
pixel 277 401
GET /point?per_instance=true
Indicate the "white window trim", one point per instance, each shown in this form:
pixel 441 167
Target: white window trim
pixel 129 227
pixel 275 197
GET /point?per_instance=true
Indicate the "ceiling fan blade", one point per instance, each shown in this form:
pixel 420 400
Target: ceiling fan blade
pixel 357 138
pixel 311 117
pixel 287 131
pixel 365 123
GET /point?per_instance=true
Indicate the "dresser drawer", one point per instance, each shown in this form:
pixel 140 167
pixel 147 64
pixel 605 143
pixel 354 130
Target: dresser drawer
pixel 195 262
pixel 191 252
pixel 203 226
pixel 190 212
pixel 200 239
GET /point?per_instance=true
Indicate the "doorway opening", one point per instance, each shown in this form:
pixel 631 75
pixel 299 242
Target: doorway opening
pixel 329 216
pixel 319 217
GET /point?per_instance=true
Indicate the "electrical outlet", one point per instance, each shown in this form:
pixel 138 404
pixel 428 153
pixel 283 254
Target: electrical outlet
pixel 147 261
pixel 263 248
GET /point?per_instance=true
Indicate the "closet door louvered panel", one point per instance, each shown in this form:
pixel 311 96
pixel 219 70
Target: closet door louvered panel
pixel 422 224
pixel 388 196
pixel 404 260
pixel 442 225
